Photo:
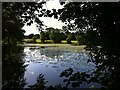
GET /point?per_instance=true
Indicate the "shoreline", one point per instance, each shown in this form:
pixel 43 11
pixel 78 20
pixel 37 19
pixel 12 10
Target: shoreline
pixel 56 46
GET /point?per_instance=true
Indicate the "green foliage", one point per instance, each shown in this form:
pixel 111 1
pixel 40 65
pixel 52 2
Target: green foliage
pixel 28 40
pixel 13 67
pixel 65 29
pixel 34 39
pixel 51 29
pixel 69 38
pixel 42 37
pixel 63 35
pixel 51 33
pixel 55 37
pixel 14 17
pixel 80 39
pixel 30 36
pixel 100 22
pixel 37 36
pixel 47 35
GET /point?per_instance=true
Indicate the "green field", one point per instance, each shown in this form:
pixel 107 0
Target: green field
pixel 56 46
pixel 47 41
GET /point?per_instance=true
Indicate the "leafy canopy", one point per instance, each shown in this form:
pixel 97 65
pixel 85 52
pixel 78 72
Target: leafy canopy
pixel 101 24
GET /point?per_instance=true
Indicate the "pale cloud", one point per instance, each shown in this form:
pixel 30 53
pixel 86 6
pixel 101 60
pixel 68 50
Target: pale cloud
pixel 31 29
pixel 49 22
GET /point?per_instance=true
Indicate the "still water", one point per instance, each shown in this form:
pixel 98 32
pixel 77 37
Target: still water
pixel 51 62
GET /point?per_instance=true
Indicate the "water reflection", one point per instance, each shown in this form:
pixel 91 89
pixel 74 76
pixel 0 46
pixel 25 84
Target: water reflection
pixel 25 68
pixel 51 62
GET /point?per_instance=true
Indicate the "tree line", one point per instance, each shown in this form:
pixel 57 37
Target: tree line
pixel 56 36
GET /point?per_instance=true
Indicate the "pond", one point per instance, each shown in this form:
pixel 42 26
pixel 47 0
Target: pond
pixel 20 70
pixel 51 61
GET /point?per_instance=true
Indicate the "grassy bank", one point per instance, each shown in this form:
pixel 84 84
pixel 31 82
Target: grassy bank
pixel 38 41
pixel 57 46
pixel 48 43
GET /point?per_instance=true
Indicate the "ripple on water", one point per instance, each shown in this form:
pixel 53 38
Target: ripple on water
pixel 54 61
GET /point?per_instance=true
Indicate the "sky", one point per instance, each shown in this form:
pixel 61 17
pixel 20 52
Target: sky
pixel 49 22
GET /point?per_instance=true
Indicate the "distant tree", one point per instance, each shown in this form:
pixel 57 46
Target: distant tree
pixel 34 39
pixel 48 32
pixel 69 38
pixel 64 36
pixel 30 36
pixel 50 29
pixel 26 37
pixel 80 37
pixel 47 35
pixel 14 16
pixel 55 36
pixel 42 37
pixel 37 36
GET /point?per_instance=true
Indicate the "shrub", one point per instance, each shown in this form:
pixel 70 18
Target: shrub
pixel 30 36
pixel 69 38
pixel 42 37
pixel 29 41
pixel 34 39
pixel 80 39
pixel 55 37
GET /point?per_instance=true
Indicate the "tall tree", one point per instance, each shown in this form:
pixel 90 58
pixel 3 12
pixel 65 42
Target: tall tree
pixel 101 23
pixel 14 17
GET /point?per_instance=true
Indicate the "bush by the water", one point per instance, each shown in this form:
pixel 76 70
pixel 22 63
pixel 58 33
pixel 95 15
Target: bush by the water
pixel 69 38
pixel 34 39
pixel 42 37
pixel 56 37
pixel 28 40
pixel 80 39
